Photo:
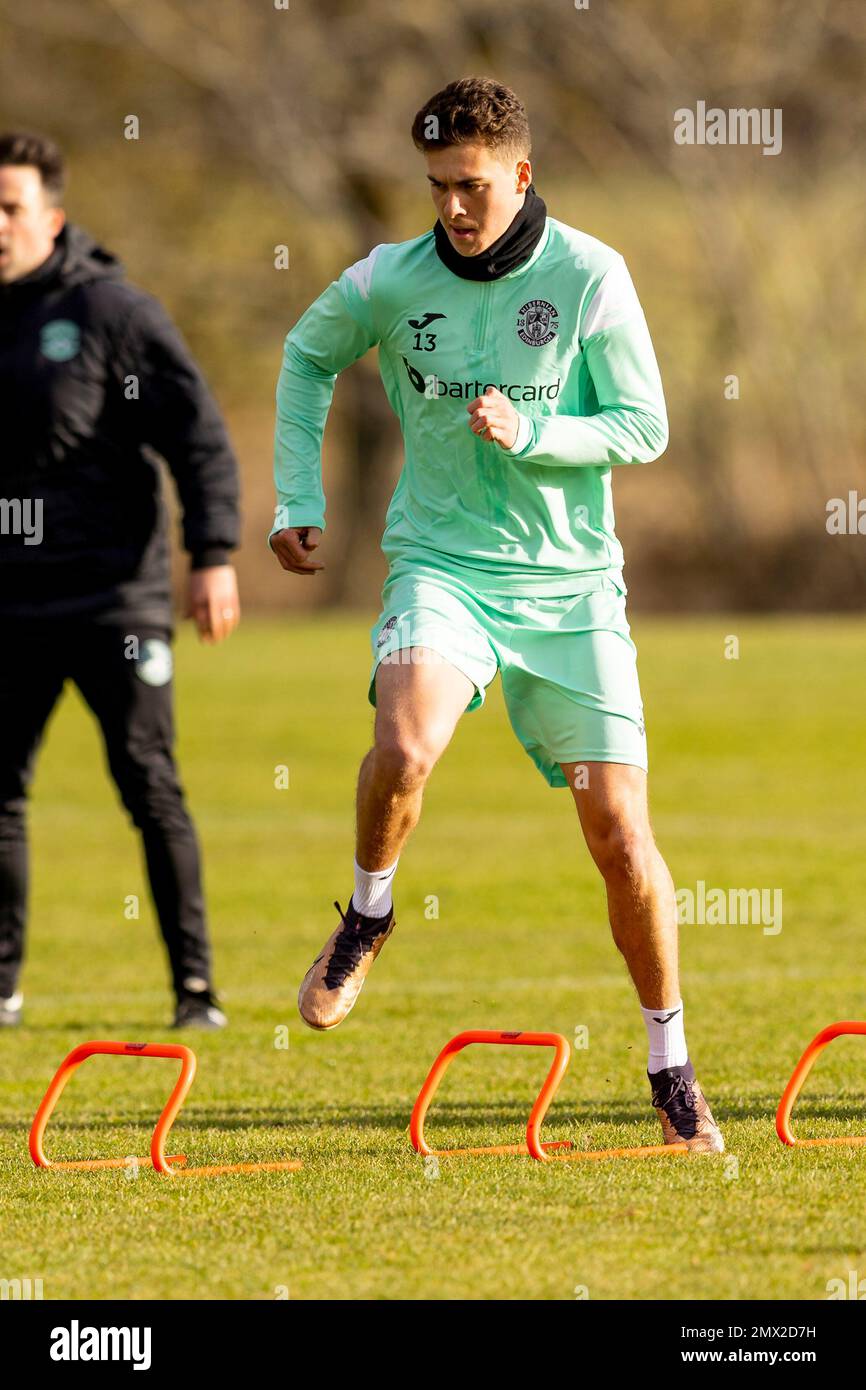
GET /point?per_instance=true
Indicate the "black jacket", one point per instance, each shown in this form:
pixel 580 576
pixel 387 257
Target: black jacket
pixel 94 377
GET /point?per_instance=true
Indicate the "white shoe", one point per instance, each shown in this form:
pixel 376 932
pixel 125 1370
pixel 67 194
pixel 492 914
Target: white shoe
pixel 10 1010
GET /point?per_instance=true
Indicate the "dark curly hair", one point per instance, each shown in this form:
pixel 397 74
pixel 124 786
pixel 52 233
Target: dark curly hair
pixel 26 147
pixel 474 109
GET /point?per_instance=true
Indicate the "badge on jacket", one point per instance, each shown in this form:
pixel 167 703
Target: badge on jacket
pixel 154 665
pixel 60 340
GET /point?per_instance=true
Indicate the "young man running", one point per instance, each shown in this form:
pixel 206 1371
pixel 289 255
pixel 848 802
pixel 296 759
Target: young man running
pixel 516 356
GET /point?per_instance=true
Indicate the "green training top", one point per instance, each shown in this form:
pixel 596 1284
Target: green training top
pixel 563 336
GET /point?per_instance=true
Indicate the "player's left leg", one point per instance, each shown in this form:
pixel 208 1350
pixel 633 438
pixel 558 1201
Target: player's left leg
pixel 569 677
pixel 611 800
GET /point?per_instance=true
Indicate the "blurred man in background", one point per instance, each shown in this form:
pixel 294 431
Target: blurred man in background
pixel 93 375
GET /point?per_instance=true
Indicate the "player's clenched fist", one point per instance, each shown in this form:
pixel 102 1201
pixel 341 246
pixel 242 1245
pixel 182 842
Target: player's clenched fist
pixel 493 417
pixel 293 547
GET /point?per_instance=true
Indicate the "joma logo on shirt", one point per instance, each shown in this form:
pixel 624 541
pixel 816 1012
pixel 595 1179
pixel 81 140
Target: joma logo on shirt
pixel 432 386
pixel 429 343
pixel 426 320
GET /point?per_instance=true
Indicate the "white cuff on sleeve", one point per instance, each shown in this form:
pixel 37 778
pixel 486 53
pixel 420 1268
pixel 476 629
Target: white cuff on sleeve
pixel 524 432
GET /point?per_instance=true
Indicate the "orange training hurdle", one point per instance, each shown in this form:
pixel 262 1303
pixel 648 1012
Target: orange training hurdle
pixel 158 1159
pixel 795 1085
pixel 532 1145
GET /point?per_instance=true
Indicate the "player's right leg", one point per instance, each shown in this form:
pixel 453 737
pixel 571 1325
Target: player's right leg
pixel 420 696
pixel 31 679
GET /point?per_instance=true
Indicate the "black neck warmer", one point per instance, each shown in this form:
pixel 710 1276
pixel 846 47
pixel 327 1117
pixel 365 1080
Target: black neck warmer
pixel 35 281
pixel 515 246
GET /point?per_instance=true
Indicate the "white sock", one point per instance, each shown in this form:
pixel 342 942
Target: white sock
pixel 667 1037
pixel 372 895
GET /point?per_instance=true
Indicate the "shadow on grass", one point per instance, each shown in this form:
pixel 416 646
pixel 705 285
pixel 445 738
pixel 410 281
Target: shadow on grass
pixel 455 1114
pixel 85 1029
pixel 819 1108
pixel 507 1117
pixel 309 1117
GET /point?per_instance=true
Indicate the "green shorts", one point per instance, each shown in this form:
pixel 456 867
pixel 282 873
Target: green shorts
pixel 569 670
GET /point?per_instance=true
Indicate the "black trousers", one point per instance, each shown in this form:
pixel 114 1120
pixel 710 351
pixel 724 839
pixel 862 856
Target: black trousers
pixel 123 671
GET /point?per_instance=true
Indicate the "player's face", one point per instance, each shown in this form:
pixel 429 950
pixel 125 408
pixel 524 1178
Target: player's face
pixel 29 224
pixel 476 193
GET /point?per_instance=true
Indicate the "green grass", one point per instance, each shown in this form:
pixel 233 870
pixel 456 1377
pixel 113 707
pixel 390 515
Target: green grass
pixel 756 782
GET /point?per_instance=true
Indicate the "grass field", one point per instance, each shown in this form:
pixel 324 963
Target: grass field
pixel 756 777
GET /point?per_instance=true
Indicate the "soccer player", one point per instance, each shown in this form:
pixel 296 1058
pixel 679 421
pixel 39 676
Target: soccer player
pixel 93 375
pixel 515 353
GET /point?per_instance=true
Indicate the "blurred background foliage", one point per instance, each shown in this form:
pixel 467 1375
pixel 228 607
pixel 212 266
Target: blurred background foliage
pixel 263 126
